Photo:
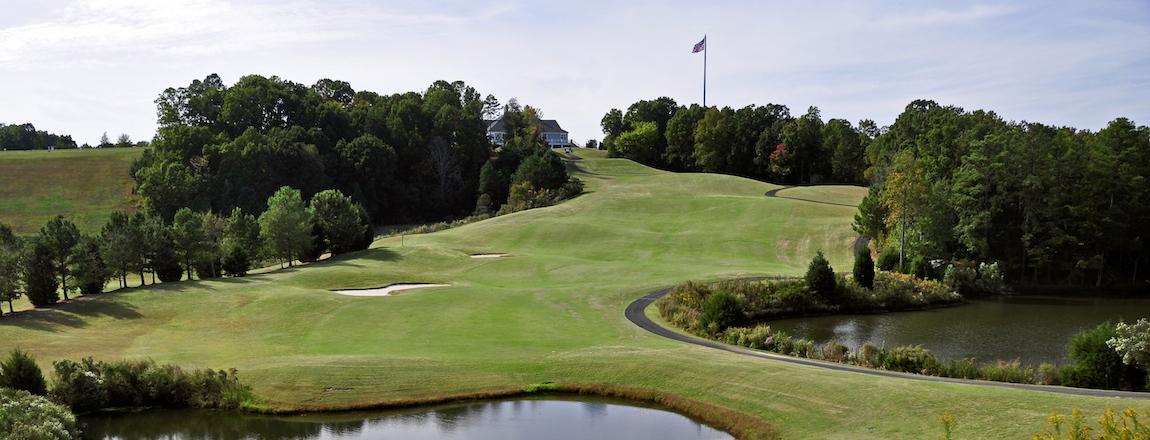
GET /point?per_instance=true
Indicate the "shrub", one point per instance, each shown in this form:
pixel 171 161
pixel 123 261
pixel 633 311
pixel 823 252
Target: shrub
pixel 908 359
pixel 820 277
pixel 572 188
pixel 864 269
pixel 722 309
pixel 1049 374
pixel 207 267
pixel 690 294
pixel 1096 365
pixel 1013 372
pixel 868 354
pixel 920 268
pixel 834 351
pixel 40 283
pixel 90 271
pixel 803 348
pixel 965 368
pixel 990 278
pixel 960 278
pixel 90 385
pixel 77 386
pixel 888 259
pixel 781 343
pixel 26 416
pixel 21 372
pixel 236 261
pixel 167 266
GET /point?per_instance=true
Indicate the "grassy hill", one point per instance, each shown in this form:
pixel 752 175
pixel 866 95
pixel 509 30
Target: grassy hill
pixel 550 312
pixel 83 185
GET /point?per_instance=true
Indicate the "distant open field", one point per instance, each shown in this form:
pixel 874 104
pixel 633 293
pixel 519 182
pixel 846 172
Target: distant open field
pixel 83 185
pixel 551 311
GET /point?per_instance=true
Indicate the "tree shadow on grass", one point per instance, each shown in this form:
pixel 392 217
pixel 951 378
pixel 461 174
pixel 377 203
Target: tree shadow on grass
pixel 73 314
pixel 353 259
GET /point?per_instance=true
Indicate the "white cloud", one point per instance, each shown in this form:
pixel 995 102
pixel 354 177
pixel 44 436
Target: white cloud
pixel 91 66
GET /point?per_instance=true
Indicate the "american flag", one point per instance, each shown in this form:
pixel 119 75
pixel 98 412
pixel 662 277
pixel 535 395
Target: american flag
pixel 701 46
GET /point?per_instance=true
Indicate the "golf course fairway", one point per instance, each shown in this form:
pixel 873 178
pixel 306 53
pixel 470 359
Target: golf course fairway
pixel 550 311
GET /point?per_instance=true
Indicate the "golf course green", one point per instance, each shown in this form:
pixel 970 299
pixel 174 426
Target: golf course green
pixel 550 311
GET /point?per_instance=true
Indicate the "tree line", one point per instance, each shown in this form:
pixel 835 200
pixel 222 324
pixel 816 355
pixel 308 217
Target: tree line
pixel 403 157
pixel 760 142
pixel 1053 205
pixel 60 259
pixel 27 137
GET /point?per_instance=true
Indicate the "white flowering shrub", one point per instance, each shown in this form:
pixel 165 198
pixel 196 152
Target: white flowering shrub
pixel 24 416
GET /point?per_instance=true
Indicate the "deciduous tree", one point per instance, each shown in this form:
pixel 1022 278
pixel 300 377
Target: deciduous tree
pixel 286 225
pixel 60 236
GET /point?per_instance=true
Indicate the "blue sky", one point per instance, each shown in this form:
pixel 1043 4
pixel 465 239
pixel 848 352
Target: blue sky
pixel 92 66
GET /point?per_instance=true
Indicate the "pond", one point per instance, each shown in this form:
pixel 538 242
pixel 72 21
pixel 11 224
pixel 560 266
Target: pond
pixel 1032 329
pixel 547 417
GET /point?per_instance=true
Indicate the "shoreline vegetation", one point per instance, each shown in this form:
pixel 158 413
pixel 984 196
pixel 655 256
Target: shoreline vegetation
pixel 738 313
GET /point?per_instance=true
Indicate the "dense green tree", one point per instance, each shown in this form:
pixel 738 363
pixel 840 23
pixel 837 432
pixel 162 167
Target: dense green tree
pixel 155 241
pixel 242 230
pixel 804 140
pixel 641 143
pixel 188 239
pixel 713 137
pixel 658 111
pixel 236 261
pixel 286 226
pixel 544 170
pixel 40 282
pixel 493 184
pixel 11 267
pixel 864 268
pixel 166 265
pixel 60 236
pixel 847 153
pixel 122 244
pixel 680 136
pixel 820 277
pixel 214 235
pixel 90 271
pixel 613 126
pixel 338 219
pixel 26 137
pixel 20 372
pixel 1097 365
pixel 721 310
pixel 366 168
pixel 338 91
pixel 403 157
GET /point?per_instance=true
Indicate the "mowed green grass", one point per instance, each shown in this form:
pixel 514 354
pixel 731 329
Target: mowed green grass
pixel 550 312
pixel 84 185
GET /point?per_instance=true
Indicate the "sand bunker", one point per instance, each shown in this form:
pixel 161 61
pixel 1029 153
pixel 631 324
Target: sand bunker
pixel 489 255
pixel 386 291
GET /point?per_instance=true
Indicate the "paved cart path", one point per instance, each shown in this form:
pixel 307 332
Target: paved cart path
pixel 636 313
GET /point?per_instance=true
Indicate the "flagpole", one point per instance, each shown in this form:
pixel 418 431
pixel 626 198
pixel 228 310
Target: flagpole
pixel 704 71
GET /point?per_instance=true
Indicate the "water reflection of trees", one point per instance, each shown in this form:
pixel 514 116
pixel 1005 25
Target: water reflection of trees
pixel 208 425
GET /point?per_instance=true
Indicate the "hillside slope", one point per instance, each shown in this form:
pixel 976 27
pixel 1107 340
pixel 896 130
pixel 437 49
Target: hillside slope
pixel 84 185
pixel 551 311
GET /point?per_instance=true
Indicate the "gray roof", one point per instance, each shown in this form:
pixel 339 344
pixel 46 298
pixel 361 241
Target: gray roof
pixel 549 126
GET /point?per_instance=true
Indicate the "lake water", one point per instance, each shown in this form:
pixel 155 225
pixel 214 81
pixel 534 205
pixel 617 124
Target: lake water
pixel 505 420
pixel 1032 329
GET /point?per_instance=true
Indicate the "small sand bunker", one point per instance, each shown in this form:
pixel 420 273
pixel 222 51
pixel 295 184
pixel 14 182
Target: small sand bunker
pixel 386 291
pixel 489 255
